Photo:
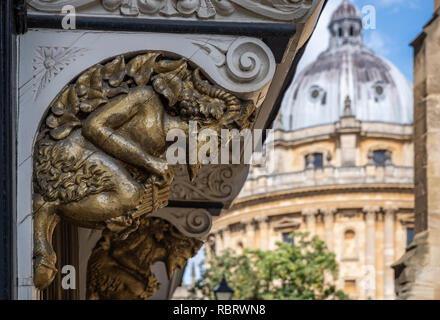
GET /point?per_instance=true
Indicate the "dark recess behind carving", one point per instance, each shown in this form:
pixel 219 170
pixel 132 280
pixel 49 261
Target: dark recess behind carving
pixel 6 148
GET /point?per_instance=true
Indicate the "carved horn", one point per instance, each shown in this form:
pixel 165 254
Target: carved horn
pixel 233 104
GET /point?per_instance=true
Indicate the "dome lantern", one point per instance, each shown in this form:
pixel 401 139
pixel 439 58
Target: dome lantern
pixel 345 26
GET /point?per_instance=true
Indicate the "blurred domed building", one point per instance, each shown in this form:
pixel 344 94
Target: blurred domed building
pixel 343 164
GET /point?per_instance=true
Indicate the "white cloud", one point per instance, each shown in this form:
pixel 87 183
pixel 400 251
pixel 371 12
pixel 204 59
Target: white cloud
pixel 407 3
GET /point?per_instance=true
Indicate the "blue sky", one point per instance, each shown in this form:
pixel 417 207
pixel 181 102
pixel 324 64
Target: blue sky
pixel 398 23
pixel 195 260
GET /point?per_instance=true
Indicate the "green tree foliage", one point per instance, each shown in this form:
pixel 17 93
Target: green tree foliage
pixel 303 270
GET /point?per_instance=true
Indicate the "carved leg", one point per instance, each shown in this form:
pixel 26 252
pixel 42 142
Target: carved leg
pixel 95 210
pixel 45 221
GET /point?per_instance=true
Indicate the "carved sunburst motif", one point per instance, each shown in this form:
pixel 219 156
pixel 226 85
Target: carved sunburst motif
pixel 49 62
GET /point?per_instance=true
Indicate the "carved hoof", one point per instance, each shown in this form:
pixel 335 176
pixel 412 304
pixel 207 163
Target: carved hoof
pixel 123 225
pixel 44 273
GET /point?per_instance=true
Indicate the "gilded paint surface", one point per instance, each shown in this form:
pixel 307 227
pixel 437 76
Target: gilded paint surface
pixel 99 163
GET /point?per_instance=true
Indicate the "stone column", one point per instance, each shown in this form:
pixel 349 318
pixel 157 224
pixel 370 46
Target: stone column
pixel 226 232
pixel 310 215
pixel 263 223
pixel 249 230
pixel 328 225
pixel 218 242
pixel 210 247
pixel 389 252
pixel 417 273
pixel 370 251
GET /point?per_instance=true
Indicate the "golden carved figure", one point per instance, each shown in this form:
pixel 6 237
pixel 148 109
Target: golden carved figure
pixel 121 268
pixel 99 157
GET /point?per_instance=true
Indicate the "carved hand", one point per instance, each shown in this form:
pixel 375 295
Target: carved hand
pixel 163 173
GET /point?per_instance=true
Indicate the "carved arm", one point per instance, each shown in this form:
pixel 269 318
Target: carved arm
pixel 100 129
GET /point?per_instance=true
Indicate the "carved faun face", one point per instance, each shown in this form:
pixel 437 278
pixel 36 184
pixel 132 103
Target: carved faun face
pixel 186 101
pixel 192 98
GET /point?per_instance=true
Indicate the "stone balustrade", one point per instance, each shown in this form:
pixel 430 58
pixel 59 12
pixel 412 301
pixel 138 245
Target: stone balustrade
pixel 329 176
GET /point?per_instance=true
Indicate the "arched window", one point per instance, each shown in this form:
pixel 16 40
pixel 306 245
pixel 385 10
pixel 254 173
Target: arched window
pixel 350 250
pixel 351 31
pixel 341 32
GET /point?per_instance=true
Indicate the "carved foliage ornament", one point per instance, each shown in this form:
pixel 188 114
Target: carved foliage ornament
pixel 99 156
pixel 49 61
pixel 281 10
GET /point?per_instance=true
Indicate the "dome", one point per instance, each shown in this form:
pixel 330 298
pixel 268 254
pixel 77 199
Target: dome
pixel 377 89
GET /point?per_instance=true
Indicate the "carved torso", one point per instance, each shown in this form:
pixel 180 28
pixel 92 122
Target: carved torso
pixel 146 127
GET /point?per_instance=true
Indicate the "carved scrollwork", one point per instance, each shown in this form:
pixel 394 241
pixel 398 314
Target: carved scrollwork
pixel 191 222
pixel 281 10
pixel 187 7
pixel 224 7
pixel 111 5
pixel 215 184
pixel 248 62
pixel 150 6
pixel 198 221
pixel 289 10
